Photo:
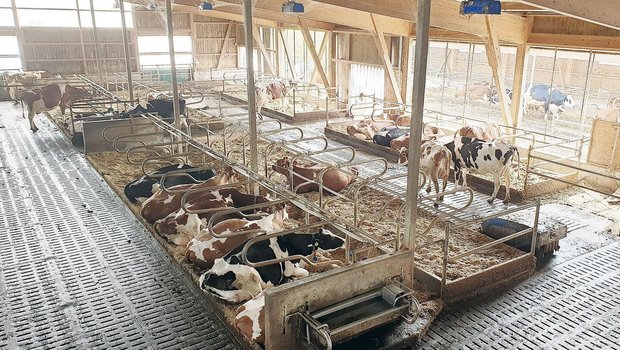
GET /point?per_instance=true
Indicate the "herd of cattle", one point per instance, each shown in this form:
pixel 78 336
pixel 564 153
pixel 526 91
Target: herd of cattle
pixel 472 150
pixel 185 223
pixel 537 98
pixel 22 86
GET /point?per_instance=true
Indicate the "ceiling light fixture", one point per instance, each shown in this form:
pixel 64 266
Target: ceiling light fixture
pixel 292 7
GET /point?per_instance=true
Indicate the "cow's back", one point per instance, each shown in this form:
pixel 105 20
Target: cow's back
pixel 51 95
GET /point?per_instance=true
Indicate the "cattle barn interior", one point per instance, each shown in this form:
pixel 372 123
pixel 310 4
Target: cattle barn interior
pixel 309 174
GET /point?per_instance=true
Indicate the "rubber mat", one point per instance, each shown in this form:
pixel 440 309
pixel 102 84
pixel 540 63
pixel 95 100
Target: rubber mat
pixel 77 270
pixel 575 305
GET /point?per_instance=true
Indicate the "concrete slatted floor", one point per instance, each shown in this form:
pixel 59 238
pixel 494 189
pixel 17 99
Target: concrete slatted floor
pixel 76 268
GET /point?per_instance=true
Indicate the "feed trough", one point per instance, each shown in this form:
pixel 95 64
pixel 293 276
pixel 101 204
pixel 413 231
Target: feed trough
pixel 339 322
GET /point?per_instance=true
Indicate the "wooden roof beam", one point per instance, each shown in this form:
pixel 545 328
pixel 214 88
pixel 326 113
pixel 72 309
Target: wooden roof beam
pixel 234 9
pixel 316 12
pixel 600 12
pixel 444 14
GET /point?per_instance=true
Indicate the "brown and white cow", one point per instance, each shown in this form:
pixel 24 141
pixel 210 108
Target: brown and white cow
pixel 271 91
pixel 481 91
pixel 488 133
pixel 250 319
pixel 430 133
pixel 49 97
pixel 203 250
pixel 22 81
pixel 367 128
pixel 162 203
pixel 333 179
pixel 179 227
pixel 434 162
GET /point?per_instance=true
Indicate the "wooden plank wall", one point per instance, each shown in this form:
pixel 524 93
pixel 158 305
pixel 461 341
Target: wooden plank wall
pixel 209 41
pixel 70 51
pixel 65 51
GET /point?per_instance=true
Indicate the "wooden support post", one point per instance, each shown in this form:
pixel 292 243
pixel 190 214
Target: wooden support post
pixel 287 55
pixel 417 115
pixel 517 86
pixel 332 59
pixel 493 55
pixel 382 47
pixel 315 72
pixel 263 50
pixel 404 66
pixel 224 45
pixel 310 43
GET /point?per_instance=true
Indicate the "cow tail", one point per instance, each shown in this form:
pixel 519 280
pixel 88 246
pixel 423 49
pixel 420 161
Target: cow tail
pixel 21 100
pixel 518 162
pixel 449 154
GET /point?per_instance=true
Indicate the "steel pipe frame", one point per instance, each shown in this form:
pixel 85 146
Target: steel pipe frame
pixel 179 156
pixel 281 144
pixel 450 226
pixel 190 192
pixel 140 122
pixel 130 140
pixel 95 41
pixel 220 213
pixel 146 148
pixel 275 234
pixel 126 48
pixel 184 173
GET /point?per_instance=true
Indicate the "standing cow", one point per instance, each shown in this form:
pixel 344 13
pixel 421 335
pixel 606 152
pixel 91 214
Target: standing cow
pixel 483 157
pixel 434 163
pixel 551 100
pixel 22 81
pixel 271 91
pixel 49 97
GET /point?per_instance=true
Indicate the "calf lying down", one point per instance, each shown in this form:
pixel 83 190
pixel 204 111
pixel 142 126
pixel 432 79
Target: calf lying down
pixel 232 281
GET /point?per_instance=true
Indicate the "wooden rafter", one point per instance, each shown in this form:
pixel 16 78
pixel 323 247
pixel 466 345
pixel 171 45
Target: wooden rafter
pixel 287 55
pixel 263 50
pixel 225 44
pixel 595 11
pixel 517 86
pixel 310 43
pixel 444 14
pixel 493 54
pixel 315 72
pixel 382 47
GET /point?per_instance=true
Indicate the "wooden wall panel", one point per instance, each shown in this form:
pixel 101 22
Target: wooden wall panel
pixel 209 42
pixel 60 50
pixel 364 50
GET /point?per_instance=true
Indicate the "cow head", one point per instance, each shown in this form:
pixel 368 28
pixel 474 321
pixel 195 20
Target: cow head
pixel 403 156
pixel 307 243
pixel 569 102
pixel 282 165
pixel 280 214
pixel 234 283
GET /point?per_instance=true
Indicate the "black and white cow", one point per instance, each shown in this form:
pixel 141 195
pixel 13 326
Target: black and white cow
pixel 483 157
pixel 227 279
pixel 385 136
pixel 143 188
pixel 495 97
pixel 550 100
pixel 163 108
